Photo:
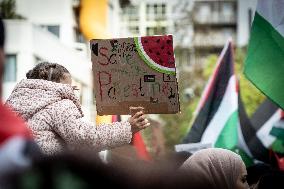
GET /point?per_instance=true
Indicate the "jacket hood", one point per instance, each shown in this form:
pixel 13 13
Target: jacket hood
pixel 32 95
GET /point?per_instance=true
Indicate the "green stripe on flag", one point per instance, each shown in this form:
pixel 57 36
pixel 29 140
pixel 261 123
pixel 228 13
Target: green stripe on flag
pixel 245 157
pixel 228 137
pixel 264 65
pixel 278 146
pixel 278 133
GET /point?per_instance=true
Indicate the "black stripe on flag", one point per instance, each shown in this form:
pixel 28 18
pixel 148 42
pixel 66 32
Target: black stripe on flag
pixel 214 96
pixel 265 111
pixel 255 146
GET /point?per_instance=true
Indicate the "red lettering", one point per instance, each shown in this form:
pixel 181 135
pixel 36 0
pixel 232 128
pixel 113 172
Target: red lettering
pixel 103 52
pixel 104 80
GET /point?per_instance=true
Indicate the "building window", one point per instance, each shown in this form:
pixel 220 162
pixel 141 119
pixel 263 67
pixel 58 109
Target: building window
pixel 54 29
pixel 156 30
pixel 203 13
pixel 131 19
pixel 228 12
pixel 134 29
pixel 156 12
pixel 10 70
pixel 132 13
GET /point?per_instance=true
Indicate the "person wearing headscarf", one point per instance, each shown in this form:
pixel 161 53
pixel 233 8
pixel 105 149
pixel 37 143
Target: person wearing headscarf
pixel 215 168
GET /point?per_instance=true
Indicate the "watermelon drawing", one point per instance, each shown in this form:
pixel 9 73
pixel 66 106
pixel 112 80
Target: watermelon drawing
pixel 157 52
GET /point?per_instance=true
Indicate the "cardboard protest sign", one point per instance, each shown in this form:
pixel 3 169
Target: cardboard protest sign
pixel 135 72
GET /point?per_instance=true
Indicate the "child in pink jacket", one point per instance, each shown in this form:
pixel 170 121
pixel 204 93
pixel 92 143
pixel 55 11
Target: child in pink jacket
pixel 47 102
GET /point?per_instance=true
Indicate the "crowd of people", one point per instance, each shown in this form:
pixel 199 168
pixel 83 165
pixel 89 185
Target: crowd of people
pixel 45 143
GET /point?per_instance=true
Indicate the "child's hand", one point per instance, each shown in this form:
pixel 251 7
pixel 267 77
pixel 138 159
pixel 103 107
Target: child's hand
pixel 138 122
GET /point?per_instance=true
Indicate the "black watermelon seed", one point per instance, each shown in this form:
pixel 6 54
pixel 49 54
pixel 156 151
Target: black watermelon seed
pixel 145 41
pixel 161 61
pixel 158 53
pixel 158 41
pixel 169 41
pixel 169 53
pixel 150 50
pixel 162 47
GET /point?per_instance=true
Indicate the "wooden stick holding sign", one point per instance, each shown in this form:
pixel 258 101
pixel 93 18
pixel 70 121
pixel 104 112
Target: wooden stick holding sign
pixel 135 72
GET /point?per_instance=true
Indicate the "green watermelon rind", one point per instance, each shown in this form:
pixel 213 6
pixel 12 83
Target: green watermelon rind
pixel 150 62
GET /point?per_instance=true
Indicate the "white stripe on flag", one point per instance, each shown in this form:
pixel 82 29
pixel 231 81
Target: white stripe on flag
pixel 227 107
pixel 272 11
pixel 279 124
pixel 263 133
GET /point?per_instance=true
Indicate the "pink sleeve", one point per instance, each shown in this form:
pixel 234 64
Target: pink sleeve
pixel 79 133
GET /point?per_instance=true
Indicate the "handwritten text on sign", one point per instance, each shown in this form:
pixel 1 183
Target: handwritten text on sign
pixel 126 74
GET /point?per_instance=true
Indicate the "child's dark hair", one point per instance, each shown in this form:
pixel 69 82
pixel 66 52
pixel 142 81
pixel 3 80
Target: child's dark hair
pixel 47 71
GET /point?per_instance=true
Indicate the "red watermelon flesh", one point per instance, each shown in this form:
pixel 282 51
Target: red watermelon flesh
pixel 159 49
pixel 159 52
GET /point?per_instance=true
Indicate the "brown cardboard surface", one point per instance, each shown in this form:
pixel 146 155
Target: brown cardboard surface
pixel 123 79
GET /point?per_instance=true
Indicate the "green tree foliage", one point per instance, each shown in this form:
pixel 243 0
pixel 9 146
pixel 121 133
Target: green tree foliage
pixel 8 10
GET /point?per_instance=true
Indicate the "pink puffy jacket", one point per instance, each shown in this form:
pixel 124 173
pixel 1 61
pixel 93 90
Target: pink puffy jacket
pixel 54 115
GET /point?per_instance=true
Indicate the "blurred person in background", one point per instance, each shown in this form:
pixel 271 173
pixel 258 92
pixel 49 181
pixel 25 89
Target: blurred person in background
pixel 273 179
pixel 47 102
pixel 256 171
pixel 215 168
pixel 17 148
pixel 81 171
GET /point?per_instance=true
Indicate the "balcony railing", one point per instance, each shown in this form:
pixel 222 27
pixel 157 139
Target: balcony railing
pixel 212 39
pixel 215 18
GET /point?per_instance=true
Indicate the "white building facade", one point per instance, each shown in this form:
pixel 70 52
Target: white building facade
pixel 246 9
pixel 200 27
pixel 48 33
pixel 148 17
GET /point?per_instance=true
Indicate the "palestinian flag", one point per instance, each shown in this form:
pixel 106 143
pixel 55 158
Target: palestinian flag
pixel 217 113
pixel 264 65
pixel 263 132
pixel 248 141
pixel 278 132
pixel 267 121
